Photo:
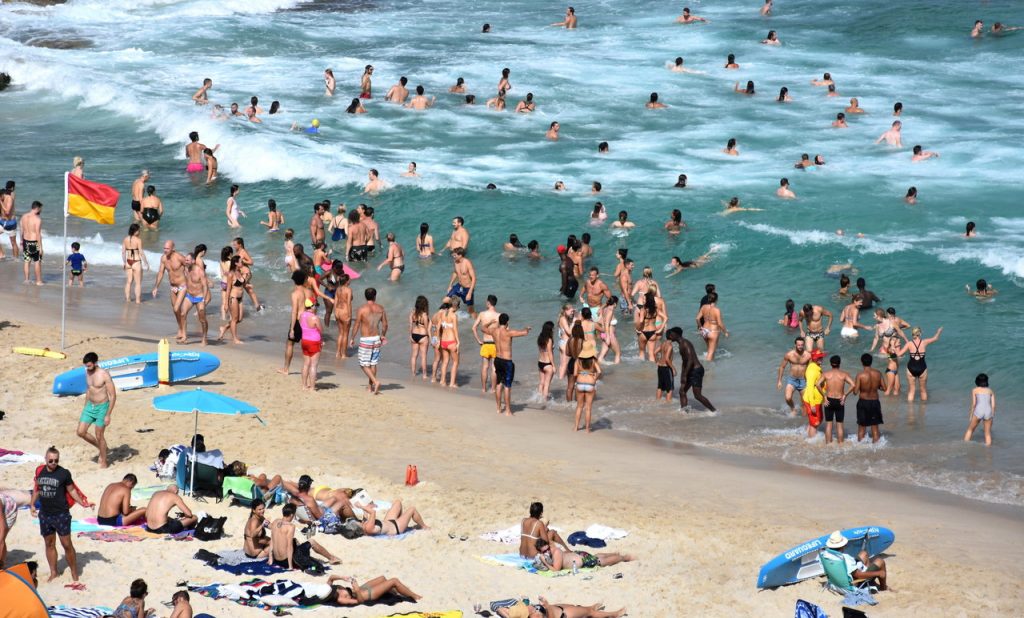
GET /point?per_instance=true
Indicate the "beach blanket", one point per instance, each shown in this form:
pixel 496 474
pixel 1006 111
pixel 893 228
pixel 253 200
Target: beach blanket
pixel 64 611
pixel 266 594
pixel 10 458
pixel 235 561
pixel 84 525
pixel 133 535
pixel 518 562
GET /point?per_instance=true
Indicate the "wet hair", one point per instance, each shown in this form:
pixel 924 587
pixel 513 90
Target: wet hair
pixel 734 201
pixel 970 226
pixel 597 209
pixel 254 101
pixel 529 97
pixel 194 136
pixel 622 252
pixel 403 80
pixel 730 59
pixel 981 380
pixel 138 589
pixel 470 99
pixel 771 35
pixel 586 313
pixel 419 89
pixel 274 107
pixel 827 76
pixel 459 81
pixel 505 72
pixel 912 192
pixel 133 229
pixel 226 253
pixel 353 215
pixel 585 239
pixel 654 97
pixel 784 182
pixel 532 245
pixel 486 28
pixel 460 220
pixel 898 107
pixel 865 359
pixel 861 283
pixel 239 241
pixel 491 186
pixel 370 294
pixel 602 147
pixel 981 284
pixel 782 93
pixel 674 333
pixel 353 106
pixel 835 361
pixel 200 249
pixel 840 116
pixel 37 205
pixel 424 228
pixel 917 149
pixel 831 87
pixel 681 183
pixel 623 215
pixel 844 280
pixel 731 143
pixel 553 124
pixel 595 185
pixel 709 288
pixel 677 215
pixel 679 61
pixel 712 297
pixel 790 307
pixel 750 87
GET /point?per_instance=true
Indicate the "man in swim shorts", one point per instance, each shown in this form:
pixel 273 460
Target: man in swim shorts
pixel 486 320
pixel 364 83
pixel 869 409
pixel 100 397
pixel 138 187
pixel 158 511
pixel 197 294
pixel 8 218
pixel 691 371
pixel 32 241
pixel 194 153
pixel 835 381
pixel 463 280
pixel 504 368
pixel 173 263
pixel 115 506
pixel 666 370
pixel 372 326
pixel 797 359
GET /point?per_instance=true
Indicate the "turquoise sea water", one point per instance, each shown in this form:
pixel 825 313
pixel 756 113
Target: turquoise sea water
pixel 121 101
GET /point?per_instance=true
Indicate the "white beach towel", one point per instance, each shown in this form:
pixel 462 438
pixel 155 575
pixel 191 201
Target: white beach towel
pixel 10 459
pixel 605 533
pixel 508 536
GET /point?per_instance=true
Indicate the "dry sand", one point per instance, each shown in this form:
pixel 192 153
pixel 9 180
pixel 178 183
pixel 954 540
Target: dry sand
pixel 701 522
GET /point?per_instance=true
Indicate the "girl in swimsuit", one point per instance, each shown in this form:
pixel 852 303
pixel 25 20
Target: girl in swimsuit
pixel 225 266
pixel 790 319
pixel 608 321
pixel 675 222
pixel 448 342
pixel 572 351
pixel 134 259
pixel 565 322
pixel 256 543
pixel 235 281
pixel 587 371
pixel 590 327
pixel 289 250
pixel 983 409
pixel 545 359
pixel 233 211
pixel 134 605
pixel 419 332
pixel 312 343
pixel 649 322
pixel 917 369
pixel 396 520
pixel 711 318
pixel 368 591
pixel 425 242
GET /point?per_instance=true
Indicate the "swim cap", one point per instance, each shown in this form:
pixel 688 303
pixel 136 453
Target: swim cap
pixel 561 249
pixel 315 123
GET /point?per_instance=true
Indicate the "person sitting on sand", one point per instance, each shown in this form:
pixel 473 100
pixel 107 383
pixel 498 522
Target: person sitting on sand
pixel 396 521
pixel 521 608
pixel 533 529
pixel 134 605
pixel 115 507
pixel 863 567
pixel 368 591
pixel 557 560
pixel 158 513
pixel 256 544
pixel 285 551
pixel 327 507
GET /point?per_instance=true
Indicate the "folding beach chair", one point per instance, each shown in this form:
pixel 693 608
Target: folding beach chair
pixel 839 581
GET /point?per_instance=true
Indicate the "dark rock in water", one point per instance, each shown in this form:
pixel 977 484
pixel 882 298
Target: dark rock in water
pixel 5 81
pixel 60 42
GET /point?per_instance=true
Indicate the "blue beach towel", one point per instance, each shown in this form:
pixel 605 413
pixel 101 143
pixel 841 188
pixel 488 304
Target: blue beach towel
pixel 581 538
pixel 806 609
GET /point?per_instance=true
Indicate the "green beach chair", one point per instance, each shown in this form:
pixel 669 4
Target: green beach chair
pixel 839 581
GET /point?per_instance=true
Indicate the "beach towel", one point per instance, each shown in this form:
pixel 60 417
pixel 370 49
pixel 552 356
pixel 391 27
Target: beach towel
pixel 63 611
pixel 266 594
pixel 806 609
pixel 84 525
pixel 605 533
pixel 452 613
pixel 396 537
pixel 859 596
pixel 508 536
pixel 518 562
pixel 133 535
pixel 11 458
pixel 235 561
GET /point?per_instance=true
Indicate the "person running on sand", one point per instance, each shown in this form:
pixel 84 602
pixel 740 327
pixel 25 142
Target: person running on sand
pixel 837 387
pixel 892 137
pixel 372 325
pixel 797 359
pixel 557 560
pixel 983 409
pixel 115 505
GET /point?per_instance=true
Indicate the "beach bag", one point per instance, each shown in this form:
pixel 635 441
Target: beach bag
pixel 352 529
pixel 210 528
pixel 302 560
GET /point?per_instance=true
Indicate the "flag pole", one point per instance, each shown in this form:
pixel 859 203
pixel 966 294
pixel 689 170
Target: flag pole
pixel 64 267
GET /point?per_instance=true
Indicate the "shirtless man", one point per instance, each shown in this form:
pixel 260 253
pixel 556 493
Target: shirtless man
pixel 666 369
pixel 504 368
pixel 766 9
pixel 285 551
pixel 194 153
pixel 892 136
pixel 691 370
pixel 826 80
pixel 922 155
pixel 797 359
pixel 869 409
pixel 687 18
pixel 570 19
pixel 327 507
pixel 398 93
pixel 623 222
pixel 653 103
pixel 485 320
pixel 420 102
pixel 9 218
pixel 365 86
pixel 552 132
pixel 625 282
pixel 594 291
pixel 359 243
pixel 201 97
pixel 31 230
pixel 411 171
pixel 395 258
pixel 158 512
pixel 837 386
pixel 854 107
pixel 115 506
pixel 329 83
pixel 463 279
pixel 814 335
pixel 374 185
pixel 459 238
pixel 173 263
pixel 366 216
pixel 784 191
pixel 197 293
pixel 840 121
pixel 978 30
pixel 372 326
pixel 138 187
pixel 298 300
pixel 850 318
pixel 100 397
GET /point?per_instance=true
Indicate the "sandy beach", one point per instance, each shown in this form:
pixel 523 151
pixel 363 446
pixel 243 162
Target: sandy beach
pixel 700 522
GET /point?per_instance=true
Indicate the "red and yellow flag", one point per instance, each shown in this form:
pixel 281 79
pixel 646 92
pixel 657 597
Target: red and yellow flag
pixel 91 200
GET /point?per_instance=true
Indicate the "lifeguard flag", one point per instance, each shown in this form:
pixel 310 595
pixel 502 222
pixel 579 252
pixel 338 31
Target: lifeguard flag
pixel 91 200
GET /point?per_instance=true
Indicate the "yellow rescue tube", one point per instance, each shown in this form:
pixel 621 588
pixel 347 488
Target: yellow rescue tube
pixel 45 352
pixel 163 363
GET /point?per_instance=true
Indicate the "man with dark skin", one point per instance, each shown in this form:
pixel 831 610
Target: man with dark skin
pixel 797 359
pixel 691 371
pixel 869 409
pixel 504 368
pixel 866 295
pixel 298 299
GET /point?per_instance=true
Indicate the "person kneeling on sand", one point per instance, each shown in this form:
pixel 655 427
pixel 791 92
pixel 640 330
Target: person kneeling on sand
pixel 158 511
pixel 557 560
pixel 863 567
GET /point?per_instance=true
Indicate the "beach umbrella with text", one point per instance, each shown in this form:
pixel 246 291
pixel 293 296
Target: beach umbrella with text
pixel 199 402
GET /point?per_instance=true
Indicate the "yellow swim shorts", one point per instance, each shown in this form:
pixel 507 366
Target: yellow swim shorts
pixel 487 350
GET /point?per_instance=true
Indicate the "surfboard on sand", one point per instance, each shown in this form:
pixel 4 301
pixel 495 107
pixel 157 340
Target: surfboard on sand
pixel 44 352
pixel 801 562
pixel 140 371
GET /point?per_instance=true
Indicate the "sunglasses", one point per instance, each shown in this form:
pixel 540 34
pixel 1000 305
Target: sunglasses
pixel 52 461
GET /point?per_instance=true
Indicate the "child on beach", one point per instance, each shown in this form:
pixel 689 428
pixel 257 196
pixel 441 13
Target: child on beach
pixel 312 342
pixel 78 265
pixel 983 408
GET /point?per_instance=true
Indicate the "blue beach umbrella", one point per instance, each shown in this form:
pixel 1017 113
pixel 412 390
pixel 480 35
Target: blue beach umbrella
pixel 199 401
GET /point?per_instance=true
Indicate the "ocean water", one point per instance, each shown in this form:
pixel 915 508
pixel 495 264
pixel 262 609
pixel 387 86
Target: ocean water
pixel 120 98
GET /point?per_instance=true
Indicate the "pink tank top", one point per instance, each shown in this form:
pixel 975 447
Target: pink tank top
pixel 308 332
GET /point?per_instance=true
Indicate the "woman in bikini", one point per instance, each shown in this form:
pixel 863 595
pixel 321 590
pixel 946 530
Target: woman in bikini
pixel 225 266
pixel 532 529
pixel 917 368
pixel 565 322
pixel 710 324
pixel 396 520
pixel 646 318
pixel 607 321
pixel 886 327
pixel 890 348
pixel 565 610
pixel 557 560
pixel 675 223
pixel 342 312
pixel 545 359
pixel 419 334
pixel 134 259
pixel 256 541
pixel 643 284
pixel 425 242
pixel 134 605
pixel 448 342
pixel 587 371
pixel 573 347
pixel 368 591
pixel 238 275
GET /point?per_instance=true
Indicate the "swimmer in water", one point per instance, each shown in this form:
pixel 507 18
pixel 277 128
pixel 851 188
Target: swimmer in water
pixel 599 214
pixel 559 185
pixel 733 205
pixel 840 121
pixel 970 233
pixel 602 148
pixel 526 105
pixel 411 172
pixel 355 107
pixel 748 90
pixel 892 136
pixel 374 185
pixel 819 160
pixel 687 18
pixel 513 243
pixel 832 91
pixel 486 29
pixel 329 83
pixel 675 224
pixel 983 289
pixel 911 196
pixel 470 99
pixel 533 250
pixel 854 107
pixel 998 28
pixel 730 148
pixel 804 162
pixel 771 39
pixel 623 222
pixel 552 132
pixel 978 30
pixel 766 8
pixel 897 109
pixel 653 103
pixel 201 95
pixel 498 102
pixel 730 62
pixel 681 182
pixel 365 84
pixel 826 80
pixel 679 266
pixel 503 83
pixel 922 155
pixel 459 87
pixel 569 23
pixel 679 68
pixel 784 96
pixel 784 191
pixel 595 188
pixel 398 93
pixel 420 101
